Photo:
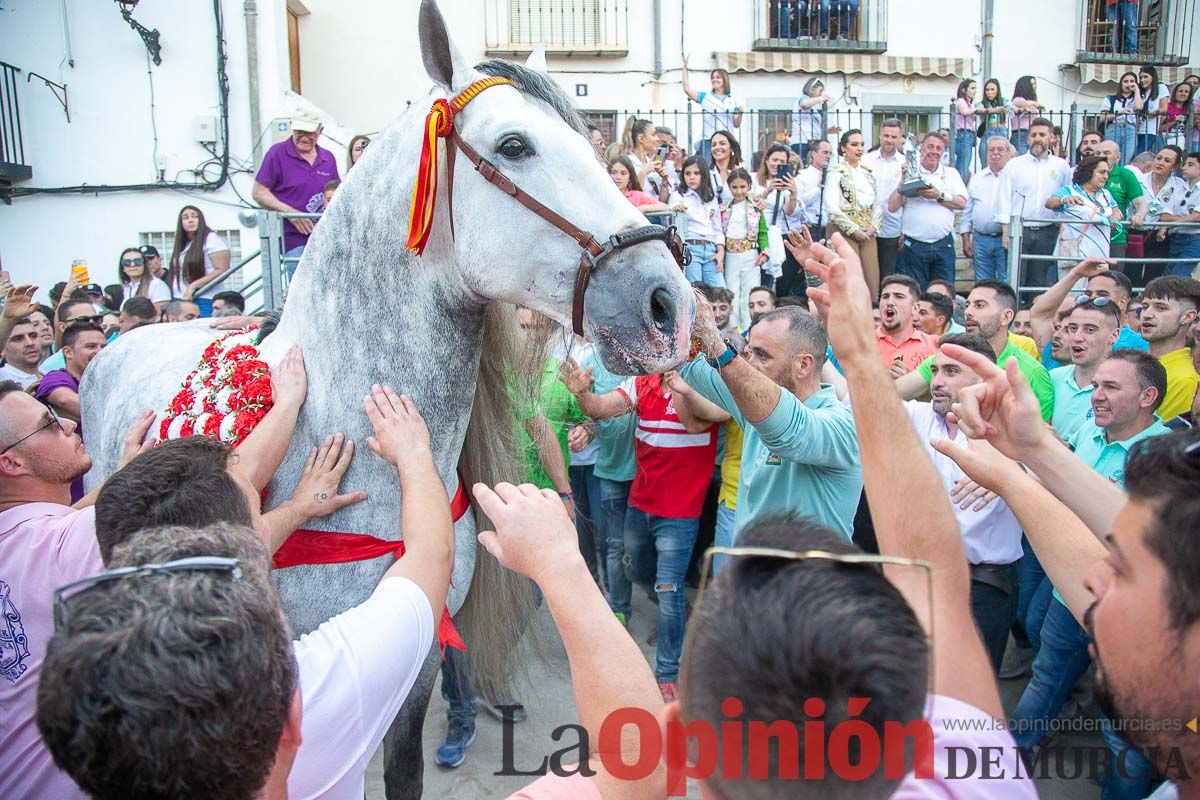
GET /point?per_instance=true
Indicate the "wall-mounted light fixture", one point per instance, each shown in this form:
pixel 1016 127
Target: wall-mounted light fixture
pixel 149 37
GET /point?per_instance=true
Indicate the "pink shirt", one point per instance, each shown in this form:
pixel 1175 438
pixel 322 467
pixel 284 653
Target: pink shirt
pixel 955 725
pixel 42 546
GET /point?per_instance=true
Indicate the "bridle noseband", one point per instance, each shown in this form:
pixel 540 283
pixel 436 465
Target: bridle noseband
pixel 440 124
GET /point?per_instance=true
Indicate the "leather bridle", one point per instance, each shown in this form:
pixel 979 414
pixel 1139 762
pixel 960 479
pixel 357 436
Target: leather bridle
pixel 594 252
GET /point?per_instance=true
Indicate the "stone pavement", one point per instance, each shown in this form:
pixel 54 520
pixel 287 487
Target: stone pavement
pixel 546 693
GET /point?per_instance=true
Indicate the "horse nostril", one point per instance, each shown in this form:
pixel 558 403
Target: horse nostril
pixel 662 310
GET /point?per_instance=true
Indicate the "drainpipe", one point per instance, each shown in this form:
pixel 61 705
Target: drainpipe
pixel 658 55
pixel 986 57
pixel 250 12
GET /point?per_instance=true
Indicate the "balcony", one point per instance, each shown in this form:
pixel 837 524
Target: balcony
pixel 565 27
pixel 1156 32
pixel 855 26
pixel 13 167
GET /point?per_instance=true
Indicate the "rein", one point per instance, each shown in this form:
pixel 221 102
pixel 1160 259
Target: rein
pixel 439 123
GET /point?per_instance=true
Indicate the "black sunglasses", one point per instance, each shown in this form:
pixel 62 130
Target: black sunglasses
pixel 95 320
pixel 54 420
pixel 76 588
pixel 1098 302
pixel 132 262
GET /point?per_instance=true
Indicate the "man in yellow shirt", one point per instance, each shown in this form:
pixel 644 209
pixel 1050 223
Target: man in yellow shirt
pixel 1170 307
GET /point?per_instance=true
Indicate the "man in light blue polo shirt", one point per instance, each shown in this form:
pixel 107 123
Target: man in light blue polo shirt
pixel 1089 330
pixel 800 451
pixel 1102 281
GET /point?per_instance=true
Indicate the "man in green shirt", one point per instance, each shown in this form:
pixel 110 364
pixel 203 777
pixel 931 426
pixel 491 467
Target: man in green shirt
pixel 1126 189
pixel 991 307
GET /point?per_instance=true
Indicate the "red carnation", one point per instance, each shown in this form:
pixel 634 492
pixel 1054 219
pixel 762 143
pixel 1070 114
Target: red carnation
pixel 188 428
pixel 243 352
pixel 212 425
pixel 163 428
pixel 182 401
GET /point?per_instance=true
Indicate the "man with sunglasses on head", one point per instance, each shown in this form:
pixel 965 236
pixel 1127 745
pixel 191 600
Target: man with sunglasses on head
pixel 1102 281
pixel 77 308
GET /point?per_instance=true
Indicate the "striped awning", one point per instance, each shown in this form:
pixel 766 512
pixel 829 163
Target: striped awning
pixel 844 63
pixel 1111 73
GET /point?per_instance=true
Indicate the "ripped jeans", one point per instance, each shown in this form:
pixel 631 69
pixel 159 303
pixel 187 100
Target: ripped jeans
pixel 672 538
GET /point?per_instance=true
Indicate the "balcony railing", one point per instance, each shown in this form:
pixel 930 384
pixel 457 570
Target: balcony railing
pixel 584 27
pixel 1157 32
pixel 858 26
pixel 12 147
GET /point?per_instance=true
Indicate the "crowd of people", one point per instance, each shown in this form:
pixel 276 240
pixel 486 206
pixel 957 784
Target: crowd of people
pixel 914 489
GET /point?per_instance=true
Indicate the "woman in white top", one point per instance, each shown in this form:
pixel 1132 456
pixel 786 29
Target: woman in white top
pixel 1154 96
pixel 1120 112
pixel 137 281
pixel 641 145
pixel 718 110
pixel 725 155
pixel 1089 213
pixel 192 267
pixel 808 117
pixel 703 235
pixel 852 205
pixel 1161 187
pixel 775 187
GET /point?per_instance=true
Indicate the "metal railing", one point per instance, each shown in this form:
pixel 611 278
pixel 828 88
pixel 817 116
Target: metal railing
pixel 1157 32
pixel 844 25
pixel 762 127
pixel 597 27
pixel 13 166
pixel 265 290
pixel 1016 276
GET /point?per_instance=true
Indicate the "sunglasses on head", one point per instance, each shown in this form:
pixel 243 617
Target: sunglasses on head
pixel 132 262
pixel 1095 302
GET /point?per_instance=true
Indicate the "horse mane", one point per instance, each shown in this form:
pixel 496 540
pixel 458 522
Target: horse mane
pixel 537 85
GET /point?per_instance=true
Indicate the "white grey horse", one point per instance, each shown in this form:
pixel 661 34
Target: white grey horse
pixel 436 327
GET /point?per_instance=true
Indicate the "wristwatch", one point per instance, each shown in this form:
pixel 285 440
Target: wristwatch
pixel 724 358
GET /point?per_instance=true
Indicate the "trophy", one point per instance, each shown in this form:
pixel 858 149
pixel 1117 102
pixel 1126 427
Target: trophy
pixel 913 182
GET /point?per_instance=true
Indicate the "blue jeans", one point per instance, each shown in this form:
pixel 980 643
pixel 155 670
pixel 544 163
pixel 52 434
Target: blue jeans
pixel 964 147
pixel 456 687
pixel 291 260
pixel 723 536
pixel 1125 135
pixel 1031 577
pixel 846 13
pixel 1184 245
pixel 1128 776
pixel 1062 658
pixel 994 607
pixel 1020 140
pixel 927 261
pixel 1147 143
pixel 704 265
pixel 673 539
pixel 614 504
pixel 1124 32
pixel 990 261
pixel 790 17
pixel 586 488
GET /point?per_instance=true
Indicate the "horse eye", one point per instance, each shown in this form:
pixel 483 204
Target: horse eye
pixel 513 147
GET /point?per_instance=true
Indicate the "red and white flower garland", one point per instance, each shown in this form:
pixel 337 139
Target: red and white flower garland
pixel 225 397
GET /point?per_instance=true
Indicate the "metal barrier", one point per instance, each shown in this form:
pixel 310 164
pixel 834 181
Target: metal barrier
pixel 1015 256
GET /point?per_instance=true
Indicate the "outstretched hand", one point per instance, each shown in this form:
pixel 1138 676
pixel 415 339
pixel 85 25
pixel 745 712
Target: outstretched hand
pixel 799 243
pixel 289 381
pixel 534 536
pixel 844 299
pixel 401 438
pixel 1001 408
pixel 577 381
pixel 18 302
pixel 704 328
pixel 317 491
pixel 1093 266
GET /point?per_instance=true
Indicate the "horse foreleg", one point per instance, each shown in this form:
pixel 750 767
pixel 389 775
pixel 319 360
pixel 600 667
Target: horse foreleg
pixel 403 759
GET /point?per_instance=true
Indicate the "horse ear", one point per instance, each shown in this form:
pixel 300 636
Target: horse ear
pixel 537 60
pixel 441 57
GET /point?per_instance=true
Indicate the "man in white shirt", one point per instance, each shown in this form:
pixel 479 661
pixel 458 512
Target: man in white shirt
pixel 887 165
pixel 810 183
pixel 1026 182
pixel 990 533
pixel 927 252
pixel 22 352
pixel 981 234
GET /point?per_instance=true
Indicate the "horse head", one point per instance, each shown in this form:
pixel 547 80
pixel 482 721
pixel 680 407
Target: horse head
pixel 638 307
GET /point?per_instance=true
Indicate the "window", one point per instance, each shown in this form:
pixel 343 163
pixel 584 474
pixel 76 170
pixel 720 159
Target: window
pixel 1147 32
pixel 562 23
pixel 606 121
pixel 164 242
pixel 839 25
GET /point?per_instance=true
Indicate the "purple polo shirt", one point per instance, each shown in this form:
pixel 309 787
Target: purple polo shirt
pixel 58 379
pixel 296 182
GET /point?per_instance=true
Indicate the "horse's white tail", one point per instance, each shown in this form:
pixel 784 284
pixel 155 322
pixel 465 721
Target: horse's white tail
pixel 499 607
